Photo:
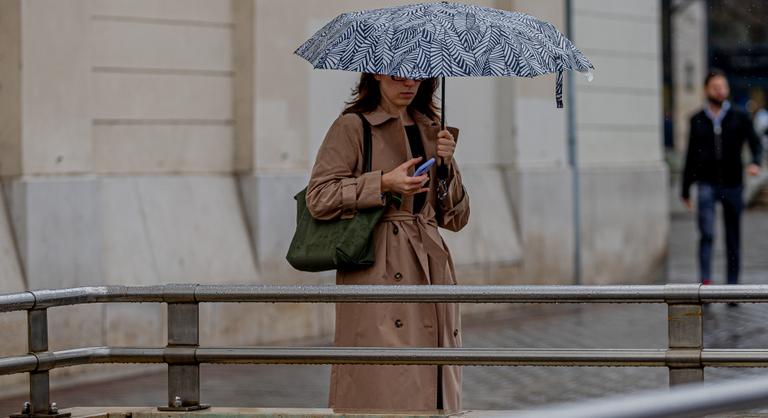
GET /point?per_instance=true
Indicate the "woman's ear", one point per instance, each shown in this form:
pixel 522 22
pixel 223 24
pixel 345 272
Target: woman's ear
pixel 377 77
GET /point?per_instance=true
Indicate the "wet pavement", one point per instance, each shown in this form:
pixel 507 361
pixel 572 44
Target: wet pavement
pixel 520 326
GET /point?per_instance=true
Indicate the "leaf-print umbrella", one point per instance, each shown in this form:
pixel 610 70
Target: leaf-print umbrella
pixel 444 40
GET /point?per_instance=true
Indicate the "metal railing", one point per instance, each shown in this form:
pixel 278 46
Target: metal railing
pixel 685 357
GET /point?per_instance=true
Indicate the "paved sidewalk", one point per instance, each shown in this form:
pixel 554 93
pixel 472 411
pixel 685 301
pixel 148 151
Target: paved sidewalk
pixel 523 326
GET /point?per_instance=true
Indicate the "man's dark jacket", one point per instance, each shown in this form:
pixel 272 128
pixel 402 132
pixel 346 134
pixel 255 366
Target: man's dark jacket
pixel 701 161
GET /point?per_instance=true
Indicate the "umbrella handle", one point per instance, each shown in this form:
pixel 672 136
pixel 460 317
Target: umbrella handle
pixel 442 111
pixel 442 169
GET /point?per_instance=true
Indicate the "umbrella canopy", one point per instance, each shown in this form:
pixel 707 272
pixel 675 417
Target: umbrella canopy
pixel 444 40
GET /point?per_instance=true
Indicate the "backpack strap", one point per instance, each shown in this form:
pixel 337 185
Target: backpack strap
pixel 367 143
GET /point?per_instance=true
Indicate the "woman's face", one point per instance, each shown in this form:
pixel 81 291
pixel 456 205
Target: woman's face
pixel 397 91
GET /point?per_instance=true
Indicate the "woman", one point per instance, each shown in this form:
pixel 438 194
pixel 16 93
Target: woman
pixel 409 249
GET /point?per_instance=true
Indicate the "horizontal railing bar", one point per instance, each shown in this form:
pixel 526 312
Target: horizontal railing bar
pixel 672 293
pixel 374 355
pixel 733 293
pixel 40 299
pixel 17 301
pixel 694 400
pixel 96 355
pixel 430 356
pixel 18 364
pixel 335 355
pixel 437 293
pixel 98 294
pixel 734 358
pixel 78 357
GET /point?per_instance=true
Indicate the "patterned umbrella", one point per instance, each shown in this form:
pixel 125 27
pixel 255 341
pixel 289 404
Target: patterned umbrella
pixel 444 40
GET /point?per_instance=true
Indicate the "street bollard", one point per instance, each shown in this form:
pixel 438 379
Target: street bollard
pixel 183 367
pixel 686 340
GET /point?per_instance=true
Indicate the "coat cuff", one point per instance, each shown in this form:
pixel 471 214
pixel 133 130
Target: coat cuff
pixel 455 189
pixel 452 206
pixel 369 190
pixel 360 193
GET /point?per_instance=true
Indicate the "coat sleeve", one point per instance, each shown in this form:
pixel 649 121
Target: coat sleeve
pixel 689 175
pixel 334 191
pixel 454 208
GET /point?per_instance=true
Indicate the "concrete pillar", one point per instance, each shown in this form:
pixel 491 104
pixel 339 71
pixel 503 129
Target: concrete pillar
pixel 537 170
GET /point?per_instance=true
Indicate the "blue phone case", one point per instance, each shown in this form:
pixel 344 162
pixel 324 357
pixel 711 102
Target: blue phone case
pixel 424 167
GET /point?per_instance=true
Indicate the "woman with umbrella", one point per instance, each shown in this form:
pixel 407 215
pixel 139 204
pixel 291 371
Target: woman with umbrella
pixel 409 249
pixel 412 45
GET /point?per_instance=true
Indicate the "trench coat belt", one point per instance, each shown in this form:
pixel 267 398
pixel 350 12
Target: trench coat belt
pixel 427 244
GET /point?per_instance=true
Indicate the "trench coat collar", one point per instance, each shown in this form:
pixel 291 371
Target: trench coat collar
pixel 379 116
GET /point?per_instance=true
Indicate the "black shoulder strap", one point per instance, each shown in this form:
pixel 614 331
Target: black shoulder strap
pixel 367 146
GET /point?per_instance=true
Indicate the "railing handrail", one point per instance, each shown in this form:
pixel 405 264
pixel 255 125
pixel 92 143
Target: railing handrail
pixel 342 355
pixel 196 293
pixel 685 356
pixel 547 357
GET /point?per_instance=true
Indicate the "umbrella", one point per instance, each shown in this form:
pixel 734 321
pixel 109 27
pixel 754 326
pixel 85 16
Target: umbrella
pixel 444 40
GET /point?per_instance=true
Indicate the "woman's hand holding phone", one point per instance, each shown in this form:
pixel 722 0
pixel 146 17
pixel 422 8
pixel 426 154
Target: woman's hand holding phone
pixel 398 180
pixel 424 167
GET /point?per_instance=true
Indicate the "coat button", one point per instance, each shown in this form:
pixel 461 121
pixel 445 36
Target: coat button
pixel 455 333
pixel 395 230
pixel 398 323
pixel 398 276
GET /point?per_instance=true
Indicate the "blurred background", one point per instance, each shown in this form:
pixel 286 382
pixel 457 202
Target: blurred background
pixel 161 141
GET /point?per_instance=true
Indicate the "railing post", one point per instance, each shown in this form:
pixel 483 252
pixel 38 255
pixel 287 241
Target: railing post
pixel 37 337
pixel 39 404
pixel 686 340
pixel 183 367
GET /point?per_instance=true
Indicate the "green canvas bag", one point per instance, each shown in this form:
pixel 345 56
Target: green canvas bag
pixel 339 244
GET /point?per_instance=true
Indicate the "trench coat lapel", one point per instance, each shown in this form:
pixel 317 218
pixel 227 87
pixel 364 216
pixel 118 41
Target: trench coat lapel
pixel 428 129
pixel 380 117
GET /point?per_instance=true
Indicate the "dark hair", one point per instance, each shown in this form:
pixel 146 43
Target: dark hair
pixel 715 72
pixel 367 96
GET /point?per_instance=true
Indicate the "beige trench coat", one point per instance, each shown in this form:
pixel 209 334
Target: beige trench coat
pixel 409 251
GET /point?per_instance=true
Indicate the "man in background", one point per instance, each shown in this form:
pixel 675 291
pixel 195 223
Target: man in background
pixel 714 163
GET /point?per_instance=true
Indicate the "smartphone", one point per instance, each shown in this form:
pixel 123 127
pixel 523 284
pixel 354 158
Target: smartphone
pixel 424 167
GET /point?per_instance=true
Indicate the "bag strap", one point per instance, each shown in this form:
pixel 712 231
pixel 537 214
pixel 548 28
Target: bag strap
pixel 367 143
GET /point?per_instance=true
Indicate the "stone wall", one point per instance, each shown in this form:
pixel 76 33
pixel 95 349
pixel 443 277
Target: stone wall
pixel 619 132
